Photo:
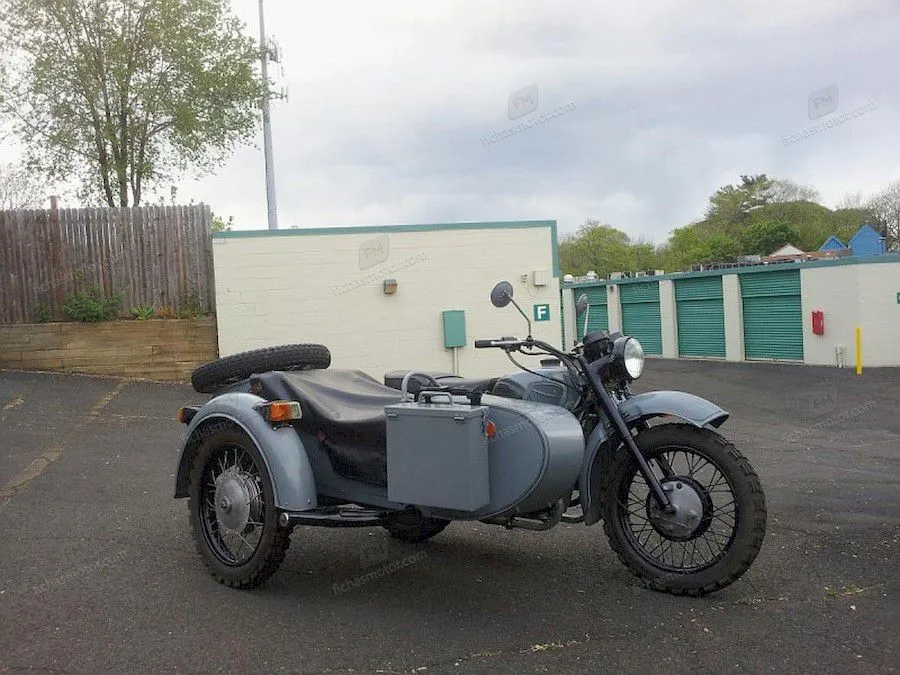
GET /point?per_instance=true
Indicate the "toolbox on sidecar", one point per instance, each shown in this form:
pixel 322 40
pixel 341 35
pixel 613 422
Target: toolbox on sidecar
pixel 437 454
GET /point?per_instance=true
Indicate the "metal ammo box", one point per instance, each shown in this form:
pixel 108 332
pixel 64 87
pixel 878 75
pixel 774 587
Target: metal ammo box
pixel 437 454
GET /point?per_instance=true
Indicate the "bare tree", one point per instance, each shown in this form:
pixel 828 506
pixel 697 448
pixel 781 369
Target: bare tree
pixel 851 200
pixel 19 189
pixel 885 207
pixel 786 190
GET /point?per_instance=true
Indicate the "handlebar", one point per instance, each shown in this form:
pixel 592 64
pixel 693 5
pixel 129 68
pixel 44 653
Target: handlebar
pixel 502 342
pixel 510 343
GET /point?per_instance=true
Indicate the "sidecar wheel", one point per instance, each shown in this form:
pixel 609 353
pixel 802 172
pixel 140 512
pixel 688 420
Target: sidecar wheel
pixel 413 528
pixel 718 529
pixel 232 511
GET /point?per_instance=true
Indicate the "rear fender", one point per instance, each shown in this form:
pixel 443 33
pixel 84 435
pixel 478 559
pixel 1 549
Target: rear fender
pixel 603 441
pixel 281 449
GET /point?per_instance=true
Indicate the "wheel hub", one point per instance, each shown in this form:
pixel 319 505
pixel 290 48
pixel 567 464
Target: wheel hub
pixel 689 509
pixel 237 500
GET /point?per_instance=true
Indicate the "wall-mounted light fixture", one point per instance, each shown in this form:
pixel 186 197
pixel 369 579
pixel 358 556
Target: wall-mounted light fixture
pixel 389 286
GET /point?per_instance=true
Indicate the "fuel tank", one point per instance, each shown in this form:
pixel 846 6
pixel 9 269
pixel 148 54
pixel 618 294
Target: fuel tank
pixel 549 384
pixel 534 457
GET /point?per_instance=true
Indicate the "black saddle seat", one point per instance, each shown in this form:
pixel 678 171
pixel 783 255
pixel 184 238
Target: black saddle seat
pixel 344 409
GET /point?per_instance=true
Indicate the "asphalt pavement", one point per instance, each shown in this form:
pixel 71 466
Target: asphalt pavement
pixel 98 570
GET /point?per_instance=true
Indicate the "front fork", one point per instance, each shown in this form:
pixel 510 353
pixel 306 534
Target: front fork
pixel 612 412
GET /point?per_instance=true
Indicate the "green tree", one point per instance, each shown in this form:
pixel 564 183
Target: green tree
pixel 604 249
pixel 219 224
pixel 124 94
pixel 730 204
pixel 764 237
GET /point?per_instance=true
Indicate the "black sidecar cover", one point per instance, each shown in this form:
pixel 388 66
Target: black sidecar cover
pixel 344 410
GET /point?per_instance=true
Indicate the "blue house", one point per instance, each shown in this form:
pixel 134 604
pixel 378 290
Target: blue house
pixel 867 242
pixel 832 244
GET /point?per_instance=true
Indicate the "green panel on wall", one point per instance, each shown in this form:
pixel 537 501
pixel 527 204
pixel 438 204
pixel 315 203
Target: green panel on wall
pixel 773 316
pixel 640 314
pixel 598 312
pixel 700 316
pixel 454 328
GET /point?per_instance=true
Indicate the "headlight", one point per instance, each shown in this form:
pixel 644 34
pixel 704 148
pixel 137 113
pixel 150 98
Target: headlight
pixel 630 357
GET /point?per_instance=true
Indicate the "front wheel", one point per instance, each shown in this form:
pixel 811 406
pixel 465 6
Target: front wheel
pixel 719 521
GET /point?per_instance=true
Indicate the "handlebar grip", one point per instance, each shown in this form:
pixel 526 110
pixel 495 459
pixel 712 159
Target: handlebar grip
pixel 482 344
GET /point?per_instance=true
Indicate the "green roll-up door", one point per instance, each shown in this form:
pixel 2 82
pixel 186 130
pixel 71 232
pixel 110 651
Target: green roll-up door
pixel 598 313
pixel 701 316
pixel 773 318
pixel 640 314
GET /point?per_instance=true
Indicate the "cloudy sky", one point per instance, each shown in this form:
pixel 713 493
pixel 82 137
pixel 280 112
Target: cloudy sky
pixel 390 102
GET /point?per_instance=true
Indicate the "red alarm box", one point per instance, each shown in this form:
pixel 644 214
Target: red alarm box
pixel 818 322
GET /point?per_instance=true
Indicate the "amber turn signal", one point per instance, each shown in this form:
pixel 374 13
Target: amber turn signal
pixel 282 411
pixel 185 415
pixel 490 429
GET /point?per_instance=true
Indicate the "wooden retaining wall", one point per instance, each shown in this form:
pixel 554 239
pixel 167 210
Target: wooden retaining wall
pixel 156 349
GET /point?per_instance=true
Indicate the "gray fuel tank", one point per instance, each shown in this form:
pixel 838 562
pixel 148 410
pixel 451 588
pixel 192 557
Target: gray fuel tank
pixel 534 457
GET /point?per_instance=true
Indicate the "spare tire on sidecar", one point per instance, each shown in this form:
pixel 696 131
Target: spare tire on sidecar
pixel 210 377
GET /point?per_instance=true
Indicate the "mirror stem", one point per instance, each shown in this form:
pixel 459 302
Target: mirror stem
pixel 524 315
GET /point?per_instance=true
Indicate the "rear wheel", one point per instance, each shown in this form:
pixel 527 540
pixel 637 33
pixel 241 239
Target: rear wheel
pixel 232 511
pixel 413 527
pixel 719 522
pixel 213 376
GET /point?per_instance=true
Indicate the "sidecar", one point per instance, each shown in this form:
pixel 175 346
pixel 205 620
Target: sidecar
pixel 336 448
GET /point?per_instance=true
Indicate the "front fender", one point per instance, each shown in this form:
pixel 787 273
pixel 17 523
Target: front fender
pixel 698 411
pixel 281 449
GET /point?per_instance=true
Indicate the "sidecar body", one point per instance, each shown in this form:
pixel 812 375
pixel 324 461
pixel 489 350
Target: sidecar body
pixel 354 442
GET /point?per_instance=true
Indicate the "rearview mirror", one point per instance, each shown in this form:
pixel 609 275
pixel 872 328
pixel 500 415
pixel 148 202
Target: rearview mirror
pixel 502 294
pixel 582 304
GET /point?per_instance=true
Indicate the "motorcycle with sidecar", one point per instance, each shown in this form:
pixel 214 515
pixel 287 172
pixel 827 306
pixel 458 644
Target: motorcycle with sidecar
pixel 286 440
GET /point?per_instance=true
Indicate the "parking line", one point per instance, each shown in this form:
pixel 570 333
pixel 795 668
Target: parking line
pixel 12 403
pixel 38 466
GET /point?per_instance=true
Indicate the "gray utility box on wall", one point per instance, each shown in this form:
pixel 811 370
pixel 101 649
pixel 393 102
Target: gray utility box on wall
pixel 437 454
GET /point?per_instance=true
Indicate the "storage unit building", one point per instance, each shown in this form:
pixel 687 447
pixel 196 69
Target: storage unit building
pixel 762 312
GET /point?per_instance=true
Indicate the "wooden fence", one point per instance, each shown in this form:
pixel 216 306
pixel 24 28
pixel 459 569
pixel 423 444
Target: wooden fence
pixel 156 255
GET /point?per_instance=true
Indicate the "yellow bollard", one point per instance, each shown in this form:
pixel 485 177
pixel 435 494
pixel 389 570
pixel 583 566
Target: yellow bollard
pixel 859 350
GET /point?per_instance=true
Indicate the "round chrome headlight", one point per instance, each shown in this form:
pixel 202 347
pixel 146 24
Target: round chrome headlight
pixel 628 357
pixel 633 357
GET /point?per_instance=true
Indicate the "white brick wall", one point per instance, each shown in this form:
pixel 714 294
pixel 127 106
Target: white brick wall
pixel 851 295
pixel 295 287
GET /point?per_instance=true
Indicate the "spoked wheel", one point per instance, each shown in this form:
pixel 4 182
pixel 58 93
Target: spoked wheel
pixel 719 518
pixel 232 511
